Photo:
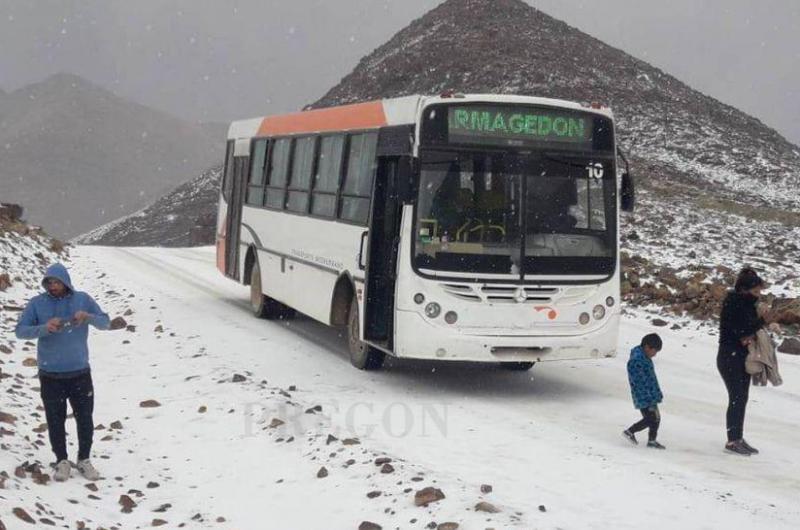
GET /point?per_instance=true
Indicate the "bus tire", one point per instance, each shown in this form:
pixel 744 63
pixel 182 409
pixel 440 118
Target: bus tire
pixel 362 355
pixel 262 305
pixel 517 366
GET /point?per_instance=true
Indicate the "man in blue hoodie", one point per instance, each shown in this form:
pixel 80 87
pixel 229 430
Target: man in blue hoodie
pixel 59 319
pixel 645 390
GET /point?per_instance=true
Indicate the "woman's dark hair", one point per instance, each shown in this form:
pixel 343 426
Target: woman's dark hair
pixel 748 278
pixel 652 340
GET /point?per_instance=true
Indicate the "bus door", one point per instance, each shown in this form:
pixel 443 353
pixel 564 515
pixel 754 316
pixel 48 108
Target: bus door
pixel 241 167
pixel 381 263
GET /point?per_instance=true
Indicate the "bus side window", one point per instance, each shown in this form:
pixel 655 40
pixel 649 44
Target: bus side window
pixel 326 180
pixel 255 189
pixel 227 172
pixel 357 188
pixel 278 169
pixel 302 167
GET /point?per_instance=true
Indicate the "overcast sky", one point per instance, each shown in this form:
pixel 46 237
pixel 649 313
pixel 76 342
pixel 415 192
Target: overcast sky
pixel 221 60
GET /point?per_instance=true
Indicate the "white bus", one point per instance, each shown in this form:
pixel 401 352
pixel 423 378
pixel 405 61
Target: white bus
pixel 457 227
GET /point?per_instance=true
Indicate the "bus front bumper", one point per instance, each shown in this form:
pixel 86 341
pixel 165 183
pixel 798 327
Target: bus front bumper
pixel 417 338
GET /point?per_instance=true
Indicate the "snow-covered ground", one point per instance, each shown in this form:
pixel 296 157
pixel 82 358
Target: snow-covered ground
pixel 547 441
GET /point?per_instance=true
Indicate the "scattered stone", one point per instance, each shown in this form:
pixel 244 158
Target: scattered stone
pixel 117 323
pixel 387 468
pixel 486 488
pixel 203 409
pixel 149 404
pixel 152 485
pixel 29 362
pixel 91 486
pixel 159 329
pixel 314 409
pixel 127 503
pixel 221 519
pixel 484 506
pixel 275 423
pixel 116 425
pixel 158 522
pixel 350 441
pixel 322 473
pixel 374 494
pixel 5 349
pixel 331 439
pixel 659 323
pixel 23 515
pixel 5 417
pixel 5 281
pixel 238 378
pixel 790 346
pixel 131 328
pixel 367 525
pixel 382 460
pixel 163 508
pixel 447 526
pixel 428 495
pixel 542 508
pixel 128 313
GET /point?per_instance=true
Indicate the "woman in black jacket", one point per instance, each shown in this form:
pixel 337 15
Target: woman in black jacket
pixel 738 324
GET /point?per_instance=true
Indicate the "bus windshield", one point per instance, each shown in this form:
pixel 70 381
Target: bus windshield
pixel 516 214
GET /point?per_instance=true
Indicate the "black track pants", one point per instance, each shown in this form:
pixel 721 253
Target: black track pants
pixel 737 382
pixel 651 419
pixel 79 391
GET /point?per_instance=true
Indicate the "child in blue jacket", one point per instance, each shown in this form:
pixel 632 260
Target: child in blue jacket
pixel 645 390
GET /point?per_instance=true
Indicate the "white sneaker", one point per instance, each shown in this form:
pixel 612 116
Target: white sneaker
pixel 63 470
pixel 87 470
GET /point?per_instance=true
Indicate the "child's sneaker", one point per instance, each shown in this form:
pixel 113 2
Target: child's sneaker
pixel 655 445
pixel 630 437
pixel 737 448
pixel 87 470
pixel 63 470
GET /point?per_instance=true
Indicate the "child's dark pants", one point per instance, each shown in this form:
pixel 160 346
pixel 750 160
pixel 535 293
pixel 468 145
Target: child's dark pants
pixel 651 419
pixel 78 389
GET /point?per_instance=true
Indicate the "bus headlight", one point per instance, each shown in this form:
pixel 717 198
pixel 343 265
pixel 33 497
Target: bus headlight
pixel 610 301
pixel 451 317
pixel 433 310
pixel 419 298
pixel 599 312
pixel 584 318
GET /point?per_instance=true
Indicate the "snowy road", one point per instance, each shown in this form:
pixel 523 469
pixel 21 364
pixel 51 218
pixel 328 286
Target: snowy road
pixel 550 437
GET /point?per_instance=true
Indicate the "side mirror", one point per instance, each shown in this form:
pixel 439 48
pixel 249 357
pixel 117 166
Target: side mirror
pixel 627 193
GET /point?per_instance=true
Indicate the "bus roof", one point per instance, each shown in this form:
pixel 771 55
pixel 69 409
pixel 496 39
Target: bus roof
pixel 376 114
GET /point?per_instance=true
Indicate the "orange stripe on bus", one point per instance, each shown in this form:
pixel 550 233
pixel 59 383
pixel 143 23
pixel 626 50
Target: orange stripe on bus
pixel 359 116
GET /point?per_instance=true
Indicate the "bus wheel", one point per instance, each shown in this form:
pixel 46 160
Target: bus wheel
pixel 517 367
pixel 362 355
pixel 262 305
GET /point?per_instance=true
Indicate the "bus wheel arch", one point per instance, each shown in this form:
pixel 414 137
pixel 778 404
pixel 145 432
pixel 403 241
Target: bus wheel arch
pixel 343 294
pixel 249 262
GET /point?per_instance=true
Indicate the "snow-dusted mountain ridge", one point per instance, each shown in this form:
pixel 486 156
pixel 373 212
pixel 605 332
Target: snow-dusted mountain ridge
pixel 506 46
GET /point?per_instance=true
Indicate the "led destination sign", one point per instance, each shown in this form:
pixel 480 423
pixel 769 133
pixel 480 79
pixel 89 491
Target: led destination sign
pixel 510 125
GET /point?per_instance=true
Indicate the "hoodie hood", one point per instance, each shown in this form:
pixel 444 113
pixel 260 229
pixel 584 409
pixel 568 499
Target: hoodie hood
pixel 58 272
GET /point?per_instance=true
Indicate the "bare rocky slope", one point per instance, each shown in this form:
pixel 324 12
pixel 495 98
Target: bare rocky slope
pixel 716 186
pixel 184 217
pixel 78 156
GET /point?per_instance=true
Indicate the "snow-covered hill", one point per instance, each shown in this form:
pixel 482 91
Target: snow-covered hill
pixel 244 414
pixel 508 47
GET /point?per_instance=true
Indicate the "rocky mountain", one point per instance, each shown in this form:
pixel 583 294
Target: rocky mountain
pixel 184 217
pixel 508 47
pixel 79 156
